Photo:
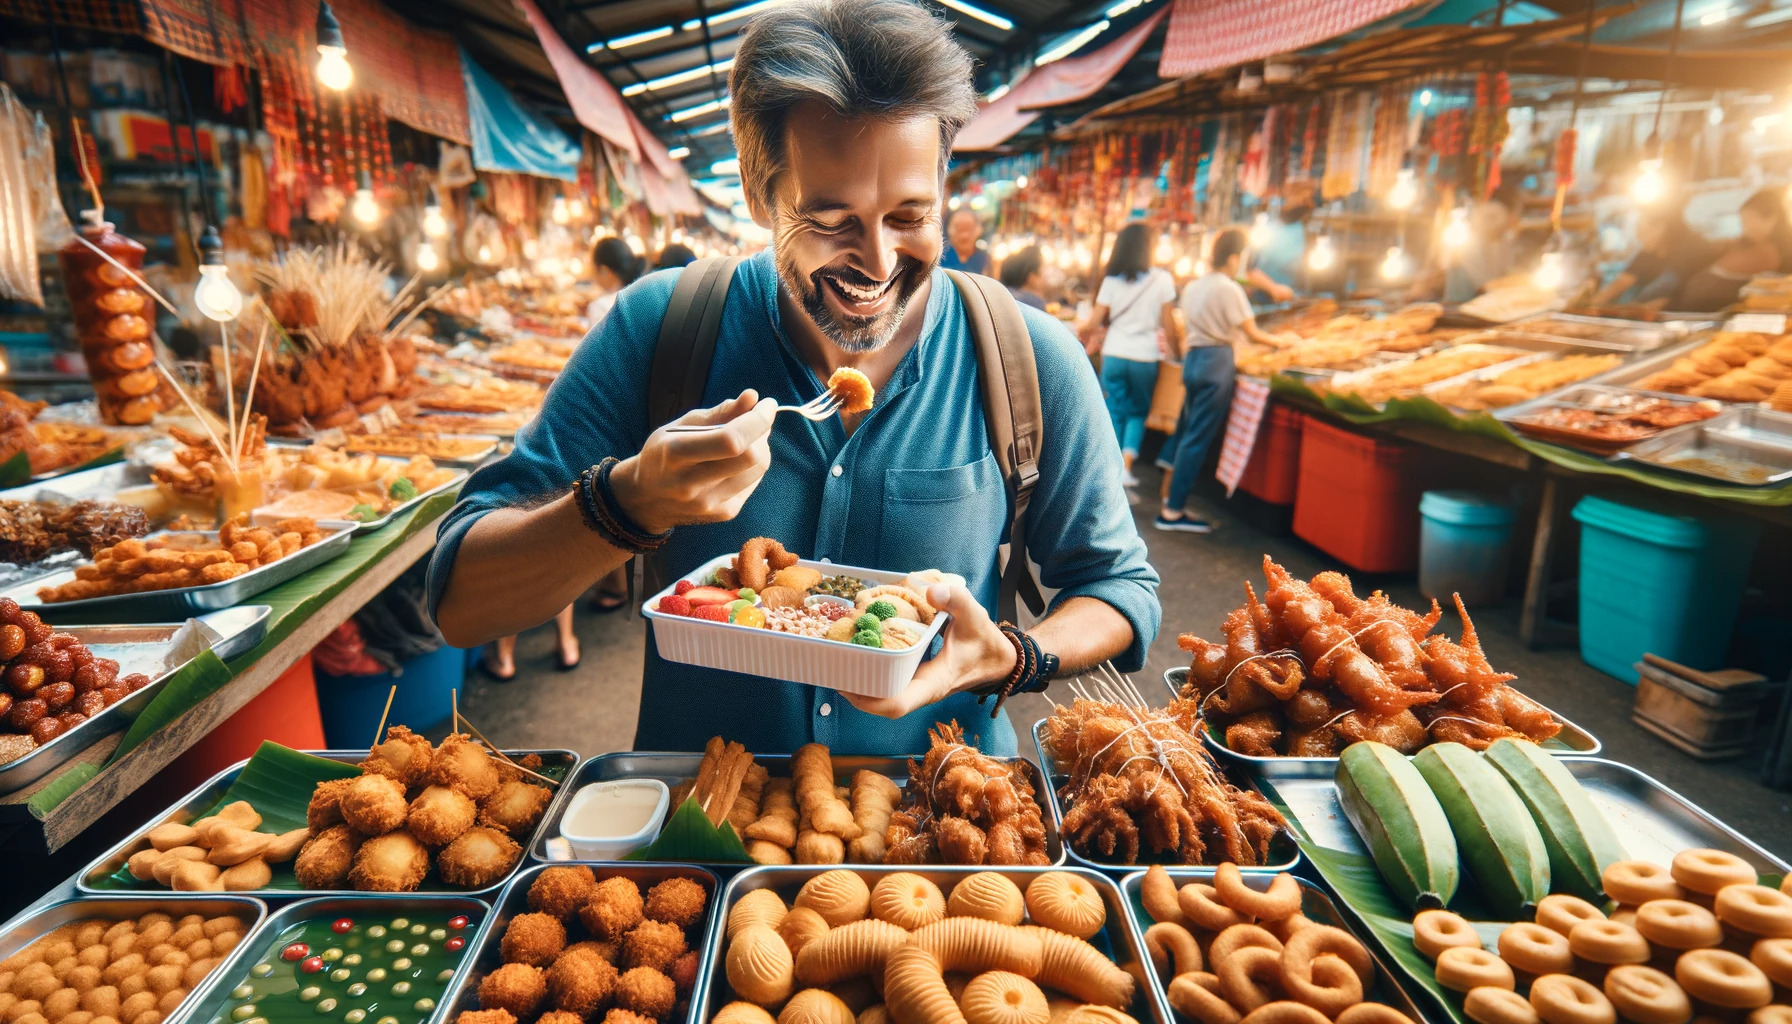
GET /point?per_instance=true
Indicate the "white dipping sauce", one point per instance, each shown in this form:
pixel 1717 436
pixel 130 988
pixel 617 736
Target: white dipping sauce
pixel 605 810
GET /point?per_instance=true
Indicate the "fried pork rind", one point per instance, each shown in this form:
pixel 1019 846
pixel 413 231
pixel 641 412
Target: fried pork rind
pixel 327 857
pixel 439 815
pixel 403 755
pixel 461 763
pixel 477 858
pixel 515 807
pixel 394 862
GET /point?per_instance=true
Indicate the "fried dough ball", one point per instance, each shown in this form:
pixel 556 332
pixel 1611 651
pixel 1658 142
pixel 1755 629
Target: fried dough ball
pixel 373 804
pixel 477 858
pixel 653 944
pixel 485 1017
pixel 515 807
pixel 439 815
pixel 614 909
pixel 325 808
pixel 646 992
pixel 560 1017
pixel 534 939
pixel 326 858
pixel 581 981
pixel 460 763
pixel 519 988
pixel 562 890
pixel 403 755
pixel 678 901
pixel 394 862
pixel 618 1015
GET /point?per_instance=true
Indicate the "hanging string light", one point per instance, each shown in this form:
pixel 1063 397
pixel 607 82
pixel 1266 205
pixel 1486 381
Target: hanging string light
pixel 560 214
pixel 1404 191
pixel 1321 256
pixel 1650 184
pixel 435 225
pixel 1456 232
pixel 1550 273
pixel 428 259
pixel 1260 229
pixel 365 208
pixel 1393 265
pixel 333 69
pixel 217 297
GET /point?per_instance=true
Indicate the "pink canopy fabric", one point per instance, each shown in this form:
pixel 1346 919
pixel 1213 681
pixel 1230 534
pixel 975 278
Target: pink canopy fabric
pixel 1209 34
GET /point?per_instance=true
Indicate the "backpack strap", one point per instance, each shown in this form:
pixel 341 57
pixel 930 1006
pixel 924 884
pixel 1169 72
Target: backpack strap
pixel 1011 409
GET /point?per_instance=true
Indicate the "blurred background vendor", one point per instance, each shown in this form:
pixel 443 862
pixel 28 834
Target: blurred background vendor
pixel 963 230
pixel 1669 253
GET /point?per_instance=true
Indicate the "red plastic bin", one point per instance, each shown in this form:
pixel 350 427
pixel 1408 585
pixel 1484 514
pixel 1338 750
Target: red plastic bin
pixel 1358 498
pixel 1273 474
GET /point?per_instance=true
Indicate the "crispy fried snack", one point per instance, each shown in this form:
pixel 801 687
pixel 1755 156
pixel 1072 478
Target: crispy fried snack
pixel 515 807
pixel 176 560
pixel 812 772
pixel 964 807
pixel 477 858
pixel 439 815
pixel 561 890
pixel 759 558
pixel 461 763
pixel 403 755
pixel 874 799
pixel 325 860
pixel 394 862
pixel 373 804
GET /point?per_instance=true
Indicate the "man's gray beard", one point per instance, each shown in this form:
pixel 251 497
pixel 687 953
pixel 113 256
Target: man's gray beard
pixel 852 336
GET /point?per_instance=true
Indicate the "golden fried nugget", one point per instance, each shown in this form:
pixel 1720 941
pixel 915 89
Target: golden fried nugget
pixel 130 548
pixel 164 561
pixel 243 551
pixel 311 538
pixel 222 571
pixel 260 537
pixel 131 566
pixel 88 572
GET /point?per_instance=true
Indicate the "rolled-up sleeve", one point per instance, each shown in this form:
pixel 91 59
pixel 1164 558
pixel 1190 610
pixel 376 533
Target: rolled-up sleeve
pixel 597 407
pixel 1080 530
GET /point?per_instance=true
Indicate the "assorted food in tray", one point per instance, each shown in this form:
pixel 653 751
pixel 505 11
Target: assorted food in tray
pixel 1732 366
pixel 180 561
pixel 1525 382
pixel 1749 447
pixel 1603 419
pixel 1331 340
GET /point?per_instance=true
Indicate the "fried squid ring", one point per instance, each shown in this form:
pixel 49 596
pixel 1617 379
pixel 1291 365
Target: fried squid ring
pixel 1565 999
pixel 1281 900
pixel 1238 937
pixel 1192 999
pixel 1434 931
pixel 1465 968
pixel 1560 912
pixel 1490 1004
pixel 1326 983
pixel 1708 871
pixel 1284 1012
pixel 1373 1013
pixel 1722 978
pixel 1201 906
pixel 1647 996
pixel 1755 909
pixel 1174 952
pixel 1250 977
pixel 1308 943
pixel 1158 893
pixel 759 558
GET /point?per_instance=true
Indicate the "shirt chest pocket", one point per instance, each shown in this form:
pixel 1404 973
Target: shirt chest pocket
pixel 949 518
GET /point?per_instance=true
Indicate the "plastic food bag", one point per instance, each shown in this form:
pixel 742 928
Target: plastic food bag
pixel 18 234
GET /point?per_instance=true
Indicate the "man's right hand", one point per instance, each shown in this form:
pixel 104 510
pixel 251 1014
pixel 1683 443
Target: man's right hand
pixel 700 477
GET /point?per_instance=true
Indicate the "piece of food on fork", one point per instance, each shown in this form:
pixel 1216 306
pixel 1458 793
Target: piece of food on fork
pixel 853 389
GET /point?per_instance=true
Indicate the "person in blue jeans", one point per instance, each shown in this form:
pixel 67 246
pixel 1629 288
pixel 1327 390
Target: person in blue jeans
pixel 1135 302
pixel 1218 314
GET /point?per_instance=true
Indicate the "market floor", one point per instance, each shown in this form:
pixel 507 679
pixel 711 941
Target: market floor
pixel 592 709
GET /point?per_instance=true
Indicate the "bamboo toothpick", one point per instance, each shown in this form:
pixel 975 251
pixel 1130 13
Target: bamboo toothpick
pixel 194 408
pixel 254 371
pixel 380 730
pixel 229 392
pixel 460 720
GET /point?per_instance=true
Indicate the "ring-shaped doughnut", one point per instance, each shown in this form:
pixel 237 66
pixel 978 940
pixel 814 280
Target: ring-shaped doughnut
pixel 1565 999
pixel 1608 942
pixel 1644 995
pixel 1280 900
pixel 1373 1013
pixel 1173 950
pixel 1158 893
pixel 1774 1013
pixel 1625 915
pixel 1774 957
pixel 1250 977
pixel 1708 871
pixel 1755 909
pixel 1678 924
pixel 1535 949
pixel 1434 931
pixel 1469 967
pixel 1285 1012
pixel 1199 903
pixel 1308 943
pixel 1786 885
pixel 1721 978
pixel 1491 1004
pixel 1287 926
pixel 1325 982
pixel 1635 882
pixel 1238 937
pixel 1191 999
pixel 1561 912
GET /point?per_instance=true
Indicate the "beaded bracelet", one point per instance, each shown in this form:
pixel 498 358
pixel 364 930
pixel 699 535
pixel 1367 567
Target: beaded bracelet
pixel 598 507
pixel 1033 669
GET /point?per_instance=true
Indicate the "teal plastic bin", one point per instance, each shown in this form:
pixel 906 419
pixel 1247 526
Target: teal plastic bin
pixel 1465 544
pixel 351 705
pixel 1665 584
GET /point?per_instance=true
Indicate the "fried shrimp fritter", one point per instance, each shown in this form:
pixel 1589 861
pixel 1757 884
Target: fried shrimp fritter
pixel 439 815
pixel 652 944
pixel 678 901
pixel 461 763
pixel 646 992
pixel 581 981
pixel 519 988
pixel 325 859
pixel 515 807
pixel 325 808
pixel 373 804
pixel 394 862
pixel 614 909
pixel 562 890
pixel 477 858
pixel 485 1017
pixel 534 939
pixel 403 755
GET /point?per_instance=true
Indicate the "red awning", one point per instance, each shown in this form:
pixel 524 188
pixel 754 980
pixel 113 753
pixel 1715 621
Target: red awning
pixel 1208 34
pixel 1062 81
pixel 595 102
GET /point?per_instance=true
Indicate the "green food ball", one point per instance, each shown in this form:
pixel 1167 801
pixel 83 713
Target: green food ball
pixel 746 594
pixel 865 622
pixel 868 638
pixel 882 609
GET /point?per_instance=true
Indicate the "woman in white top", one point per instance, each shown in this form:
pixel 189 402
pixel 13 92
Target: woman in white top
pixel 1135 302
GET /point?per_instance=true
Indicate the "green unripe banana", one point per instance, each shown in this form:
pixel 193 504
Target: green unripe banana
pixel 1581 842
pixel 1501 846
pixel 1393 809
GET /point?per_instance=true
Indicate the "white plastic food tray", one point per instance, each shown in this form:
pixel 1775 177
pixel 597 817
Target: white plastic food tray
pixel 849 668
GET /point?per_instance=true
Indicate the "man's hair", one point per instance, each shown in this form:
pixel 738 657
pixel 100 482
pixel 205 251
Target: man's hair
pixel 1021 264
pixel 862 58
pixel 1227 244
pixel 614 253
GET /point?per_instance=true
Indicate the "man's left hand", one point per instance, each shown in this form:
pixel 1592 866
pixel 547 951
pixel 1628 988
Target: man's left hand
pixel 975 653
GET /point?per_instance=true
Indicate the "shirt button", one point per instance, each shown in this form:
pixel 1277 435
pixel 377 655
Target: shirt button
pixel 826 710
pixel 837 471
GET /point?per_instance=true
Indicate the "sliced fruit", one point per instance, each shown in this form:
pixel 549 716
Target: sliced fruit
pixel 1501 846
pixel 1581 842
pixel 1393 809
pixel 699 596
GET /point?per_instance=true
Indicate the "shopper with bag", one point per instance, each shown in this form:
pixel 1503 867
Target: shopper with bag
pixel 1136 301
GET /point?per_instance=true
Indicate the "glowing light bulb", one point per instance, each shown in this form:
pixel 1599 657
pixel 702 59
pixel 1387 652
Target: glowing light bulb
pixel 1425 97
pixel 427 257
pixel 485 254
pixel 1184 266
pixel 575 207
pixel 1549 274
pixel 333 69
pixel 1456 232
pixel 953 203
pixel 1321 256
pixel 1393 264
pixel 979 201
pixel 575 266
pixel 435 225
pixel 530 248
pixel 1021 181
pixel 636 246
pixel 1084 257
pixel 1260 230
pixel 1164 252
pixel 365 209
pixel 561 213
pixel 217 296
pixel 1648 186
pixel 1404 192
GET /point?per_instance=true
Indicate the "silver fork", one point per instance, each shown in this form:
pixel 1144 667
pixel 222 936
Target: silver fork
pixel 819 408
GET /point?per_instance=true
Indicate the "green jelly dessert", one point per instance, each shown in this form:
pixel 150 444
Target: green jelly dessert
pixel 380 968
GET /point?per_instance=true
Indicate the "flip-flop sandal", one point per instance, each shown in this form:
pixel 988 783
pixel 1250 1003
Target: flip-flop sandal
pixel 605 603
pixel 563 665
pixel 486 669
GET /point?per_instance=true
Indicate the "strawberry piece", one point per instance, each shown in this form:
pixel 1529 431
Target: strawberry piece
pixel 712 612
pixel 709 595
pixel 674 604
pixel 683 587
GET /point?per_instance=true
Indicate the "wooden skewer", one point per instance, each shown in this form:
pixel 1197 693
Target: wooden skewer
pixel 254 371
pixel 194 407
pixel 380 730
pixel 229 393
pixel 460 720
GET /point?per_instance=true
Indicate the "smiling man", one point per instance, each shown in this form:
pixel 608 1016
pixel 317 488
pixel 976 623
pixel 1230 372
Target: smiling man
pixel 843 114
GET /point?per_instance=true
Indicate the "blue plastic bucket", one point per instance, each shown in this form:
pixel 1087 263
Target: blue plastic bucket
pixel 1658 583
pixel 1465 543
pixel 351 705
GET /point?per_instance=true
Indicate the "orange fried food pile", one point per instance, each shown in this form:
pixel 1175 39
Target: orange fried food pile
pixel 962 806
pixel 1313 667
pixel 853 389
pixel 1139 782
pixel 184 560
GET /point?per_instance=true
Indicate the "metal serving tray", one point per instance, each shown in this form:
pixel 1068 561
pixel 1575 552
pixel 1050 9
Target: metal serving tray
pixel 675 768
pixel 1283 853
pixel 1599 397
pixel 207 1001
pixel 1650 362
pixel 1518 351
pixel 1757 442
pixel 1315 905
pixel 1631 335
pixel 463 993
pixel 1118 938
pixel 470 460
pixel 260 518
pixel 181 601
pixel 136 649
pixel 1572 740
pixel 22 931
pixel 97 483
pixel 97 878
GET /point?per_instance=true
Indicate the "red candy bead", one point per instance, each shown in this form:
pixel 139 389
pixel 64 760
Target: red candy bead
pixel 455 944
pixel 296 951
pixel 341 925
pixel 311 965
pixel 458 922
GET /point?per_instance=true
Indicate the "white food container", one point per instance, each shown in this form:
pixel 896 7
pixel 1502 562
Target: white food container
pixel 849 668
pixel 594 846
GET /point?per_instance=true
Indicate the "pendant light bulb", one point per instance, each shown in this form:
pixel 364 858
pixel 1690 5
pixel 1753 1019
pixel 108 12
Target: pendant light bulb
pixel 1020 182
pixel 485 254
pixel 561 213
pixel 636 246
pixel 365 208
pixel 1164 251
pixel 1321 256
pixel 217 297
pixel 1404 191
pixel 1184 266
pixel 1648 186
pixel 575 207
pixel 1393 265
pixel 333 69
pixel 435 223
pixel 1260 229
pixel 1549 274
pixel 1456 232
pixel 427 258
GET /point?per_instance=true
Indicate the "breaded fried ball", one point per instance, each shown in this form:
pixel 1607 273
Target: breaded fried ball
pixel 618 1015
pixel 646 992
pixel 560 1017
pixel 478 857
pixel 327 857
pixel 608 952
pixel 581 982
pixel 403 755
pixel 678 901
pixel 653 944
pixel 519 988
pixel 533 939
pixel 485 1017
pixel 439 815
pixel 373 805
pixel 562 890
pixel 460 763
pixel 615 907
pixel 394 862
pixel 325 808
pixel 515 807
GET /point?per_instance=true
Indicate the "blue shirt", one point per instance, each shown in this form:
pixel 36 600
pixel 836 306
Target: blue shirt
pixel 914 487
pixel 977 264
pixel 1281 254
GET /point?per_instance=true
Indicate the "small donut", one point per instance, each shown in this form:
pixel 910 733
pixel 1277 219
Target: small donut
pixel 1755 909
pixel 1281 900
pixel 1066 903
pixel 1647 996
pixel 1771 1014
pixel 1434 931
pixel 1635 882
pixel 1468 967
pixel 1308 943
pixel 1677 924
pixel 1560 912
pixel 1774 957
pixel 1287 926
pixel 1565 999
pixel 1373 1013
pixel 1158 892
pixel 1625 915
pixel 1174 952
pixel 1707 871
pixel 1608 942
pixel 1326 983
pixel 1721 978
pixel 1491 1004
pixel 1189 997
pixel 1238 937
pixel 1250 977
pixel 1535 949
pixel 1200 904
pixel 1786 885
pixel 1284 1012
